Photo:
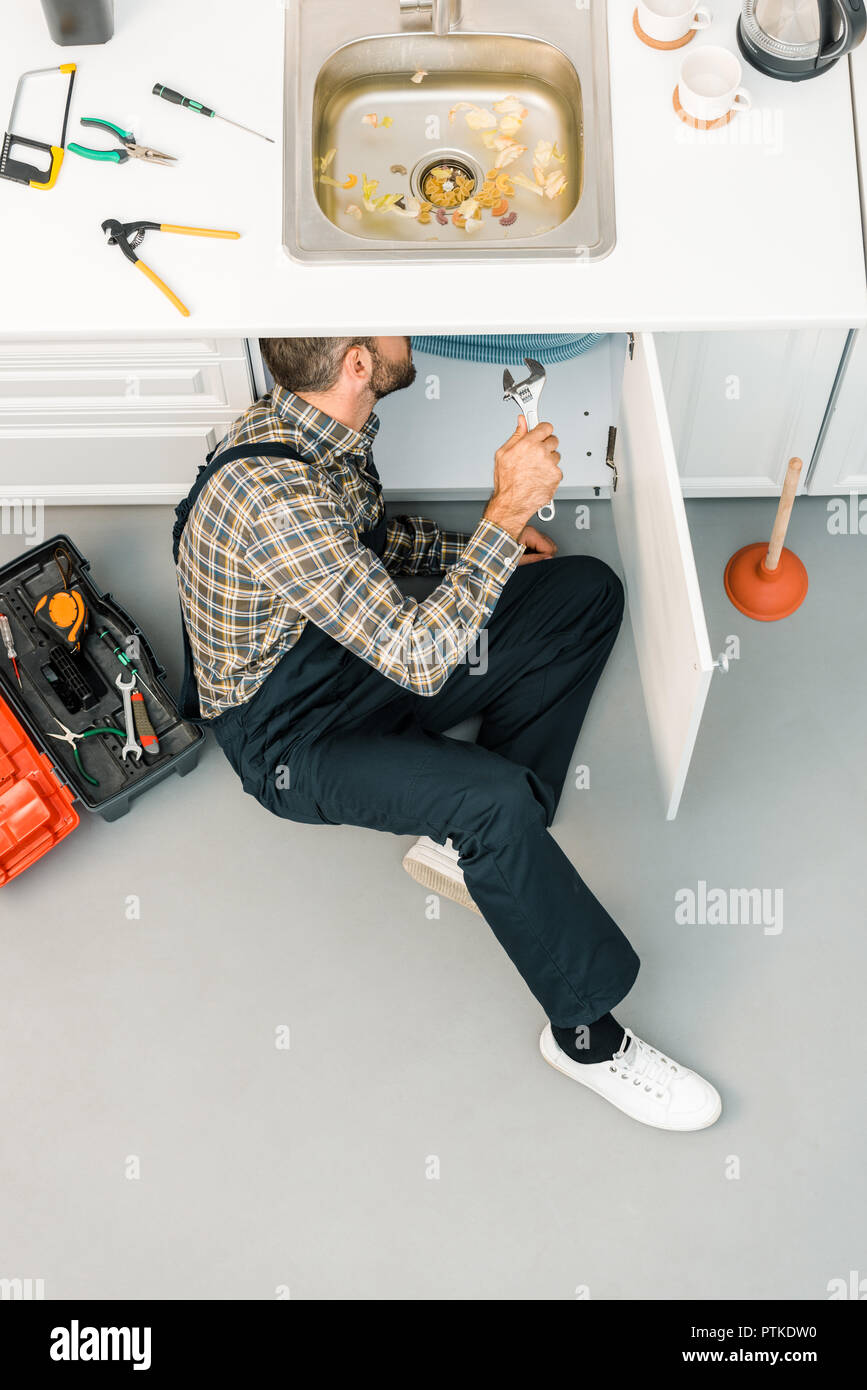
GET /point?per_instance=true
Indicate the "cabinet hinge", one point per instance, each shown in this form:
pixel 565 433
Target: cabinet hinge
pixel 609 455
pixel 631 345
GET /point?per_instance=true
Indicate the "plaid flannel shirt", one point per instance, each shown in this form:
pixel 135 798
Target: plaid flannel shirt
pixel 271 544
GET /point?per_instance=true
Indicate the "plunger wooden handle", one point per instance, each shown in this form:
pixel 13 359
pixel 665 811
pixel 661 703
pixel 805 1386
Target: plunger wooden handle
pixel 784 512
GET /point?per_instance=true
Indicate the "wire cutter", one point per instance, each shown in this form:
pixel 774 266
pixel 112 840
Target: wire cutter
pixel 130 149
pixel 128 236
pixel 69 737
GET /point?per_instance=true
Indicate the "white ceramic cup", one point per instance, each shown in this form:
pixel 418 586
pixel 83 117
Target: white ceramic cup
pixel 666 21
pixel 709 84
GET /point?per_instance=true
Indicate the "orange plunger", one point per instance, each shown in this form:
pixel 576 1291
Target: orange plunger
pixel 768 582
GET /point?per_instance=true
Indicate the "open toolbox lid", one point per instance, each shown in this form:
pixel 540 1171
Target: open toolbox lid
pixel 36 810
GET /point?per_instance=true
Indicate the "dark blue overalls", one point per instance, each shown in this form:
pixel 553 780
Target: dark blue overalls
pixel 328 739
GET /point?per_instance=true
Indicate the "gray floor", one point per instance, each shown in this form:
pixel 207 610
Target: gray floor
pixel 307 1168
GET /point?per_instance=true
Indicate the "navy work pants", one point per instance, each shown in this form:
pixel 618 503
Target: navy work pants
pixel 328 739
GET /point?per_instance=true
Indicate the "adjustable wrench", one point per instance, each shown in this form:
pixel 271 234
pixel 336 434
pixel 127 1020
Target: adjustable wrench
pixel 526 395
pixel 132 748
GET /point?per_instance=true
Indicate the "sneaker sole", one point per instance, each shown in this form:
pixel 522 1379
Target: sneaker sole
pixel 431 872
pixel 588 1084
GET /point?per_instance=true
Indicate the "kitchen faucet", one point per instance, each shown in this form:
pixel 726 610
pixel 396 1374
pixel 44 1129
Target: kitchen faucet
pixel 443 13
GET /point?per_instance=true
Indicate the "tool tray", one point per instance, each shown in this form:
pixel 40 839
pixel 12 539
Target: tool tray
pixel 47 680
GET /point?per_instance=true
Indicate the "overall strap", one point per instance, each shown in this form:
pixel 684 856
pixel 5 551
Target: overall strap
pixel 189 702
pixel 214 461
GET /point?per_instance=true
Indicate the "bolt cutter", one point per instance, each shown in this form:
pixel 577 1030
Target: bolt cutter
pixel 119 156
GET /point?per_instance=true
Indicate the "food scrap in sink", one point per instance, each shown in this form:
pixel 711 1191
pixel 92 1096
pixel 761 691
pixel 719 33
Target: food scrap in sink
pixel 453 190
pixel 415 208
pixel 323 162
pixel 551 181
pixel 372 203
pixel 508 149
pixel 447 185
pixel 333 183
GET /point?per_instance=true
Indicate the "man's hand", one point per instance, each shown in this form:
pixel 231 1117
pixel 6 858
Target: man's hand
pixel 526 476
pixel 539 546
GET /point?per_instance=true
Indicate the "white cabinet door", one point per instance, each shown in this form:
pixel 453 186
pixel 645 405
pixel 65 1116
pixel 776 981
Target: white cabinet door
pixel 436 441
pixel 741 404
pixel 115 422
pixel 664 600
pixel 841 465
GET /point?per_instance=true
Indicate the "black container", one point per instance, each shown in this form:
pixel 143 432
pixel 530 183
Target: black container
pixel 22 582
pixel 79 21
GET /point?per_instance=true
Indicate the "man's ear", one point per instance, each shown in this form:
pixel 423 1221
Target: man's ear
pixel 358 364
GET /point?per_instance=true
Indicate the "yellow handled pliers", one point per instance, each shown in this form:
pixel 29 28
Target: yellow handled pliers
pixel 128 236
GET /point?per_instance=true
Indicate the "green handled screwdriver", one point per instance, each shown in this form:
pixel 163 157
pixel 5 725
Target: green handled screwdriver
pixel 116 650
pixel 177 100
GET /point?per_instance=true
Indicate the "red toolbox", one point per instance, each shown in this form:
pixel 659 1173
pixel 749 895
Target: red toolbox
pixel 73 686
pixel 36 810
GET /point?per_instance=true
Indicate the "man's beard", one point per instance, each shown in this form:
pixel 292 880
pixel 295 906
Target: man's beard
pixel 390 376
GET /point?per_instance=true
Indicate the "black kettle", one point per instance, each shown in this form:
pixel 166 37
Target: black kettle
pixel 796 39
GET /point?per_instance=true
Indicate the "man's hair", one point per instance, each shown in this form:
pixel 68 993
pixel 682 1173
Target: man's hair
pixel 309 364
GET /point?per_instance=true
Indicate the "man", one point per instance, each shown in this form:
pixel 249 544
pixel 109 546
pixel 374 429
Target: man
pixel 330 691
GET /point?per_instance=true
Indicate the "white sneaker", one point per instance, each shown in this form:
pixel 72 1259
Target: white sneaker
pixel 436 866
pixel 642 1083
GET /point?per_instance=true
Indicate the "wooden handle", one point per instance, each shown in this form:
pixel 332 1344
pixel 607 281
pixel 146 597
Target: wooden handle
pixel 784 512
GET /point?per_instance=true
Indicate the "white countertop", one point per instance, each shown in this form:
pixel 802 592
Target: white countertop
pixel 757 226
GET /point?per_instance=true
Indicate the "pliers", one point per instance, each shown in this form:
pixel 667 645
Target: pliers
pixel 69 737
pixel 129 236
pixel 130 149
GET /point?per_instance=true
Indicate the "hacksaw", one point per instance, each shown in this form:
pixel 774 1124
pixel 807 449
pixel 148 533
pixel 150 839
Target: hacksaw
pixel 31 174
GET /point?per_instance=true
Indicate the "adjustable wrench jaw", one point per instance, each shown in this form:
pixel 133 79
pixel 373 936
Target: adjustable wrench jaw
pixel 526 395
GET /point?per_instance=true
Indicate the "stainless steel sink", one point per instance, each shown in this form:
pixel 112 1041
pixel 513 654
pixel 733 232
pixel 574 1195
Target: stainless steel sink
pixel 379 166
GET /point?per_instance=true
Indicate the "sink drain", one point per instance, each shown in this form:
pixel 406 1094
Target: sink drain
pixel 446 177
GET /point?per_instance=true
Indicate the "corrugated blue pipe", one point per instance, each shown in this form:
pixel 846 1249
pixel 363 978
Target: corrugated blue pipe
pixel 509 349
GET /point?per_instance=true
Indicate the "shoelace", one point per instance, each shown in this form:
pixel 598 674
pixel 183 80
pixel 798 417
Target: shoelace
pixel 645 1066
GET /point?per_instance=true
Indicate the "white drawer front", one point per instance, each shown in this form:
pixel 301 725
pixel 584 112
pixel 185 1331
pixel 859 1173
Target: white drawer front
pixel 117 422
pixel 62 355
pixel 131 386
pixel 147 464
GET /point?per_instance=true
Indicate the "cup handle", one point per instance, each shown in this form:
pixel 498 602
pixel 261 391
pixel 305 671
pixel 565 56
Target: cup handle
pixel 742 101
pixel 702 18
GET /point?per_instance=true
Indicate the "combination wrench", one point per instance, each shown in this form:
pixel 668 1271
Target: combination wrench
pixel 132 748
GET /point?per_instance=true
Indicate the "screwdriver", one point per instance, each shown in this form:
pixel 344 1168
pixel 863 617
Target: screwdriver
pixel 177 100
pixel 6 630
pixel 106 637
